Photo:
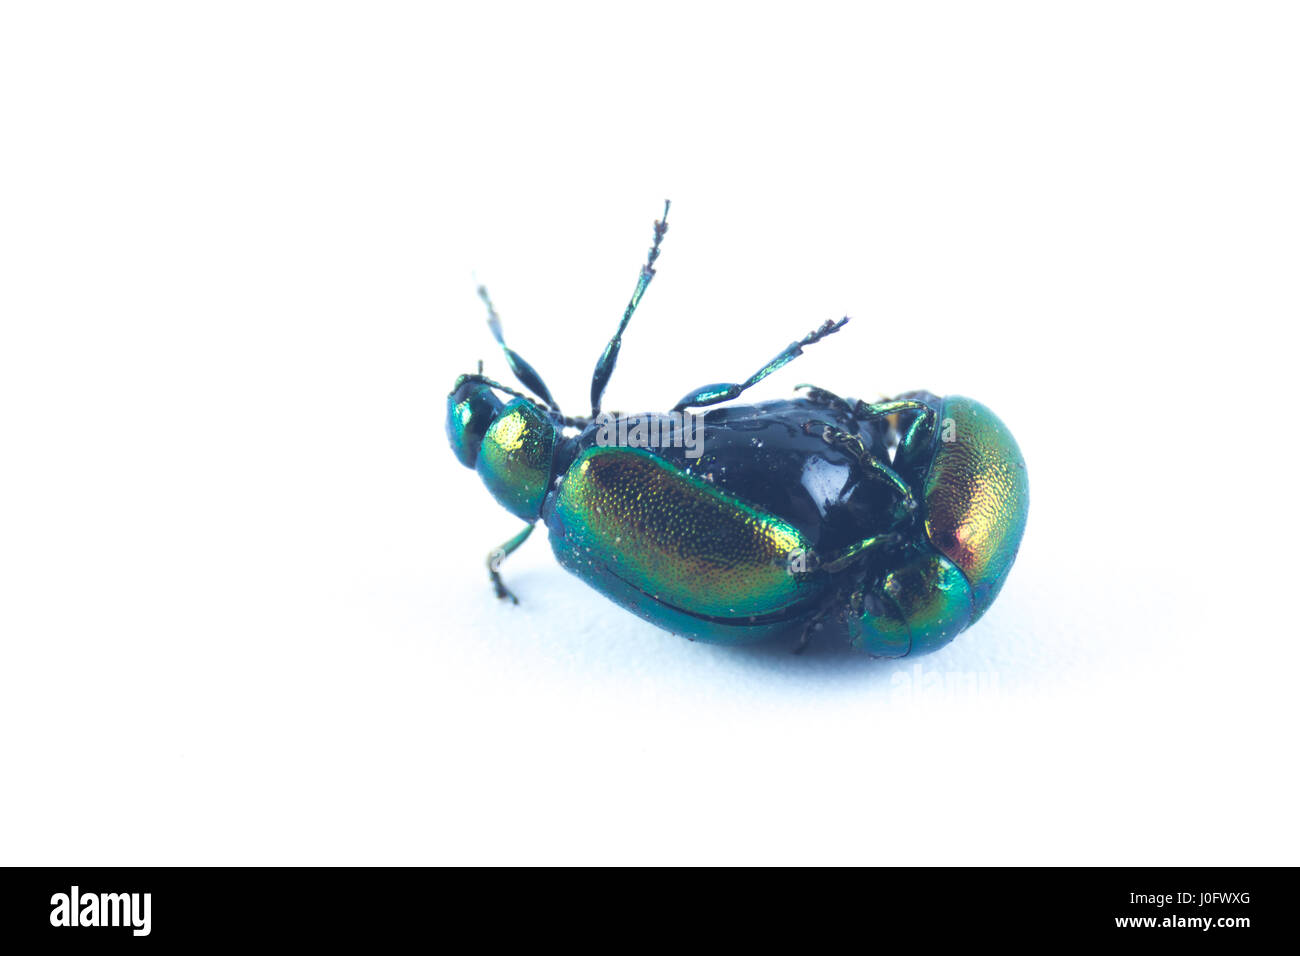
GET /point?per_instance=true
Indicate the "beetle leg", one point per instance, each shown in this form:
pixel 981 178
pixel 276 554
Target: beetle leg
pixel 523 371
pixel 921 418
pixel 805 637
pixel 891 409
pixel 725 392
pixel 874 467
pixel 847 556
pixel 499 554
pixel 841 559
pixel 824 396
pixel 605 365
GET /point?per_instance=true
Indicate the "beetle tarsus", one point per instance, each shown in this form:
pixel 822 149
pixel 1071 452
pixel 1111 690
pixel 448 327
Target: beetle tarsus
pixel 822 396
pixel 503 592
pixel 499 554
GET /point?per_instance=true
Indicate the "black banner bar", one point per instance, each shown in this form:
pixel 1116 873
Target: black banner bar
pixel 142 907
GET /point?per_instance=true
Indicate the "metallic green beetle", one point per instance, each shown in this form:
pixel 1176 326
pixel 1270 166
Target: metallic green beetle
pixel 891 525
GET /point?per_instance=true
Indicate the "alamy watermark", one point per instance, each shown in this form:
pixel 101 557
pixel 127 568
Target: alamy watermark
pixel 76 908
pixel 652 430
pixel 921 683
pixel 678 430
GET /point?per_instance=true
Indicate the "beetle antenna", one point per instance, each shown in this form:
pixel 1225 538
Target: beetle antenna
pixel 523 371
pixel 605 366
pixel 726 391
pixel 491 383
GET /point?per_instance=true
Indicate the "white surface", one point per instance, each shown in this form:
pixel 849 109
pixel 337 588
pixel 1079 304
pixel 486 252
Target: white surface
pixel 244 616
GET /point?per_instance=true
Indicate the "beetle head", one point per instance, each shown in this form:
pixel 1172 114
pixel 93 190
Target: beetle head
pixel 509 444
pixel 472 406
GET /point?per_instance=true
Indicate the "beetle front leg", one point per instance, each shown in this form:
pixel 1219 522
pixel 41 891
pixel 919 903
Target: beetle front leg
pixel 498 555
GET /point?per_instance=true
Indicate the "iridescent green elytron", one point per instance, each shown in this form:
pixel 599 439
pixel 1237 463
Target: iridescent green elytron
pixel 977 498
pixel 890 525
pixel 676 537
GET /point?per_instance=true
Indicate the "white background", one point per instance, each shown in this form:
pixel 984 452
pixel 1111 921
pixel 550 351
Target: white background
pixel 243 609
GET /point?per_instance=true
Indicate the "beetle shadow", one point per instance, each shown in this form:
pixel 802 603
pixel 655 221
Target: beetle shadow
pixel 824 668
pixel 826 656
pixel 592 620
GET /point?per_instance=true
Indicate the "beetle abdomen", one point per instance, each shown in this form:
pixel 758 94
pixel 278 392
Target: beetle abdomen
pixel 674 537
pixel 976 496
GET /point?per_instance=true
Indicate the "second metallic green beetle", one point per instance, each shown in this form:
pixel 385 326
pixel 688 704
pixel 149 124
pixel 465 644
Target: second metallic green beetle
pixel 891 525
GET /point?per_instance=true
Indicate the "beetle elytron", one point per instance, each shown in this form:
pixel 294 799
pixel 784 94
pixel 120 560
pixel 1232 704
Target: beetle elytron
pixel 891 525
